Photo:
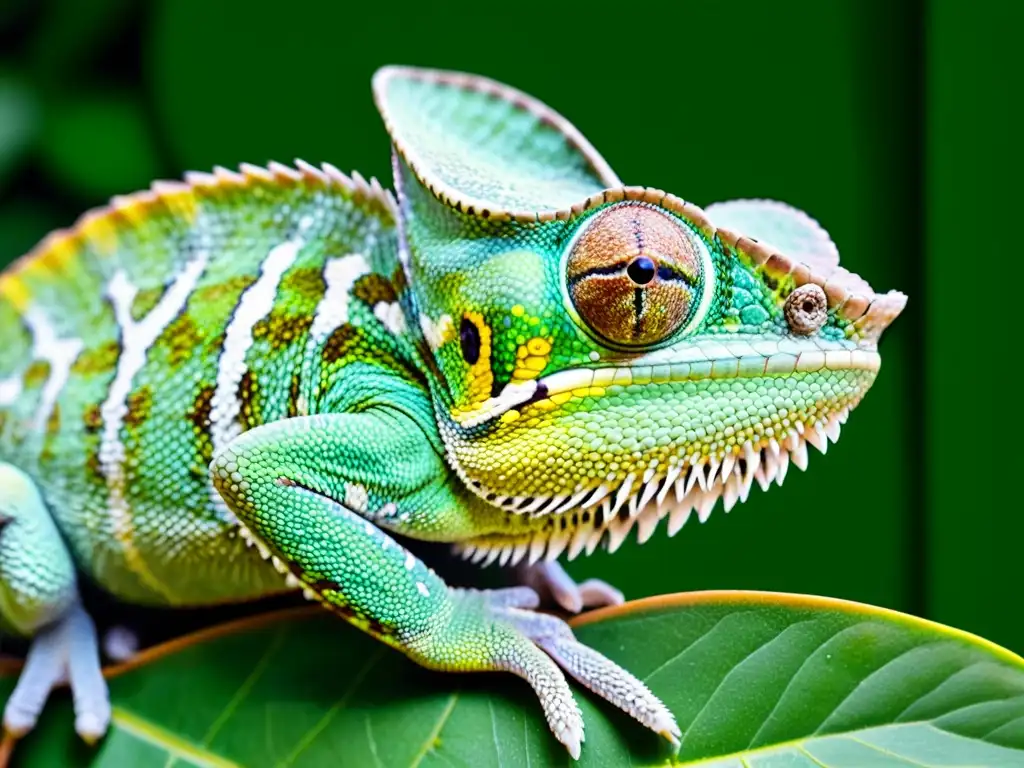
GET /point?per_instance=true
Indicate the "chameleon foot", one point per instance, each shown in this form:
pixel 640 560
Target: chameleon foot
pixel 550 579
pixel 499 630
pixel 120 643
pixel 65 651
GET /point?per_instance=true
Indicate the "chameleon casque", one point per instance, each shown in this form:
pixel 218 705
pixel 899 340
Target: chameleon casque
pixel 515 353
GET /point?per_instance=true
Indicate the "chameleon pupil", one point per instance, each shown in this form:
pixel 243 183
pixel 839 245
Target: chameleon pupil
pixel 469 339
pixel 641 270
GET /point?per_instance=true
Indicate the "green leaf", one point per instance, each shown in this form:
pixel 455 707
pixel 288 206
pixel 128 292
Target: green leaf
pixel 757 680
pixel 100 145
pixel 18 123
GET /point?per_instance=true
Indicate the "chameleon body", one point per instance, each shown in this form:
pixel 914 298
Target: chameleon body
pixel 515 353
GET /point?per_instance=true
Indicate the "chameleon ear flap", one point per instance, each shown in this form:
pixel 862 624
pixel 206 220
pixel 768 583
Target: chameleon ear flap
pixel 484 148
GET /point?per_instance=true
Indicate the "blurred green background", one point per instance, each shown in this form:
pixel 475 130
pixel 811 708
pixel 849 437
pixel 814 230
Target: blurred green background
pixel 888 121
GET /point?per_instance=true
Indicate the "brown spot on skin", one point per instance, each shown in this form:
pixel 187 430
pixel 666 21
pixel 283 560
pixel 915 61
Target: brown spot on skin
pixel 36 374
pixel 140 403
pixel 93 418
pixel 94 468
pixel 199 415
pixel 305 282
pixel 97 360
pixel 180 339
pixel 248 391
pixel 340 343
pixel 53 422
pixel 46 455
pixel 280 330
pixel 294 391
pixel 372 288
pixel 230 289
pixel 379 629
pixel 144 302
pixel 398 281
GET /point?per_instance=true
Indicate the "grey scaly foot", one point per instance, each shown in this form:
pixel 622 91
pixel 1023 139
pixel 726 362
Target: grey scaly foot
pixel 65 651
pixel 120 643
pixel 551 580
pixel 601 675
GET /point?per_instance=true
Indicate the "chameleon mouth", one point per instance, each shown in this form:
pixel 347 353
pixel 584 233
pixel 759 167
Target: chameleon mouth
pixel 708 359
pixel 673 479
pixel 607 515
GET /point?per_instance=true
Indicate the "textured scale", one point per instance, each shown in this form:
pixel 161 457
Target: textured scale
pixel 152 334
pixel 248 382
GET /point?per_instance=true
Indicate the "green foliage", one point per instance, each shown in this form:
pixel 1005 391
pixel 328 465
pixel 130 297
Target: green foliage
pixel 18 123
pixel 99 146
pixel 756 679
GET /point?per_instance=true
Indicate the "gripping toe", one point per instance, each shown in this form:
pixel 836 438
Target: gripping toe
pixel 65 651
pixel 552 581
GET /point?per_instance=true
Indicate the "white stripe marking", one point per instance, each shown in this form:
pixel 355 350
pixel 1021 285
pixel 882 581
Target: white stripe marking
pixel 340 274
pixel 254 305
pixel 136 340
pixel 59 353
pixel 10 388
pixel 391 315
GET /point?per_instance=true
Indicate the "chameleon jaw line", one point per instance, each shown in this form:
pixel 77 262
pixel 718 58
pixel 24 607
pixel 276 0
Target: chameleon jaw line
pixel 693 484
pixel 691 364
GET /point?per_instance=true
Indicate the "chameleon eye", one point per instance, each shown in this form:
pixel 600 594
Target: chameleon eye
pixel 634 275
pixel 806 309
pixel 469 340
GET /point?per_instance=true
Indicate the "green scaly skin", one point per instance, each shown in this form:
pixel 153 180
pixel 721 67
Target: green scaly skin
pixel 520 356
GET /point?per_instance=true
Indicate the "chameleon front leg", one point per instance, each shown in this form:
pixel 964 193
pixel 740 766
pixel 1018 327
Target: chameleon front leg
pixel 39 598
pixel 305 487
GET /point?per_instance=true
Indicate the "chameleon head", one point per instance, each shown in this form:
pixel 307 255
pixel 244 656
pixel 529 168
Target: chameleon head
pixel 619 356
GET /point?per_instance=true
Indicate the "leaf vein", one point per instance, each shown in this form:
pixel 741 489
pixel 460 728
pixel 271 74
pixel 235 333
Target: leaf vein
pixel 887 753
pixel 172 743
pixel 687 647
pixel 809 756
pixel 868 677
pixel 310 736
pixel 789 685
pixel 372 741
pixel 936 687
pixel 997 729
pixel 435 731
pixel 729 674
pixel 243 690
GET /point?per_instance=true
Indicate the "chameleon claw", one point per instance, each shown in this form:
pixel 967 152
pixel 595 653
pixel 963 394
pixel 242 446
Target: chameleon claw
pixel 91 726
pixel 573 741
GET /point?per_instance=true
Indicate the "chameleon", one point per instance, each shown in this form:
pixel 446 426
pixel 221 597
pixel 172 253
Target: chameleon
pixel 269 380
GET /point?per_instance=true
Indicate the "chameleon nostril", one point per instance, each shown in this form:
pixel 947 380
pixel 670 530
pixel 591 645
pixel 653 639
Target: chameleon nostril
pixel 641 270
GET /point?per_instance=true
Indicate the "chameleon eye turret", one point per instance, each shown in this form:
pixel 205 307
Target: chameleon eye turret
pixel 806 309
pixel 634 275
